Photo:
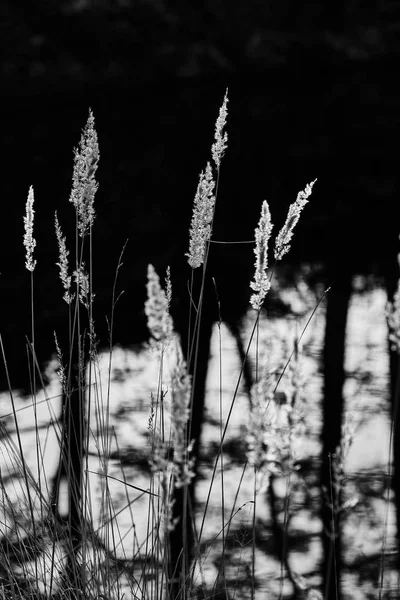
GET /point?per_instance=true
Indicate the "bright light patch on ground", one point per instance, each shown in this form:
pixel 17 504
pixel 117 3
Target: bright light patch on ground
pixel 135 376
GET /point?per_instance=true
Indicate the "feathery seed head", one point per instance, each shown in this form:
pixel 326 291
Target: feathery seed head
pixel 203 211
pixel 282 242
pixel 181 393
pixel 168 288
pixel 261 283
pixel 63 264
pixel 262 416
pixel 159 321
pixel 179 462
pixel 60 365
pixel 81 279
pixel 29 240
pixel 221 138
pixel 84 185
pixel 276 427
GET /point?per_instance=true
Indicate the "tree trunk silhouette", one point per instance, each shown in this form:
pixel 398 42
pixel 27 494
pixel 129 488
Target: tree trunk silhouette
pixel 334 354
pixel 73 448
pixel 391 278
pixel 182 539
pixel 70 471
pixel 280 538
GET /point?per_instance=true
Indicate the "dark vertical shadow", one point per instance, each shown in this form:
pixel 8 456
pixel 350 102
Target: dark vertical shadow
pixel 334 375
pixel 391 279
pixel 223 285
pixel 73 460
pixel 182 537
pixel 70 473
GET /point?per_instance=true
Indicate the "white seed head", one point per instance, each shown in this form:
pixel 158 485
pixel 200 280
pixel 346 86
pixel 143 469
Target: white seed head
pixel 203 212
pixel 63 264
pixel 276 428
pixel 282 242
pixel 178 463
pixel 84 185
pixel 60 365
pixel 261 283
pixel 156 308
pixel 181 389
pixel 29 240
pixel 221 138
pixel 81 279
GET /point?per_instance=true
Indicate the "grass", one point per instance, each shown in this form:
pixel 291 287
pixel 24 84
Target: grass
pixel 76 548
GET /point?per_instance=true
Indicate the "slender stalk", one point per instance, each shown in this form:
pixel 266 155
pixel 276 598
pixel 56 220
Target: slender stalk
pixel 395 415
pixel 27 476
pixel 253 550
pixel 226 425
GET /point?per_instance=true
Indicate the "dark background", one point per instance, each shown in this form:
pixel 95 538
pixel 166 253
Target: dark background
pixel 313 94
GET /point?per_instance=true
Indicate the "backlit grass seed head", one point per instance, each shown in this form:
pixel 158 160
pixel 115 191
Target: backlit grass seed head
pixel 393 318
pixel 282 242
pixel 221 138
pixel 158 459
pixel 159 449
pixel 84 185
pixel 274 425
pixel 261 398
pixel 156 308
pixel 261 283
pixel 63 264
pixel 81 279
pixel 174 456
pixel 60 365
pixel 203 211
pixel 181 389
pixel 29 240
pixel 168 290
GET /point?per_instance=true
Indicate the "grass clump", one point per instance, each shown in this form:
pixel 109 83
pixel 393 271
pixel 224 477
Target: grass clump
pixel 79 550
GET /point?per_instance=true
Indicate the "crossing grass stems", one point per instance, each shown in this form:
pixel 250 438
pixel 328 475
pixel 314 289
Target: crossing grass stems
pixel 43 554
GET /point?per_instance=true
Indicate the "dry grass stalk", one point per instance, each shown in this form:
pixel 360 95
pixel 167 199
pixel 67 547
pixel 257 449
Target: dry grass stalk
pixel 203 211
pixel 81 279
pixel 221 138
pixel 204 201
pixel 63 264
pixel 282 242
pixel 29 240
pixel 84 185
pixel 159 320
pixel 261 283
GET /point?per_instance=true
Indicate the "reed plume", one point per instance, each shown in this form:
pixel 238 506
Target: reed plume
pixel 29 240
pixel 261 283
pixel 81 279
pixel 84 185
pixel 156 308
pixel 63 261
pixel 204 201
pixel 282 242
pixel 203 212
pixel 221 137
